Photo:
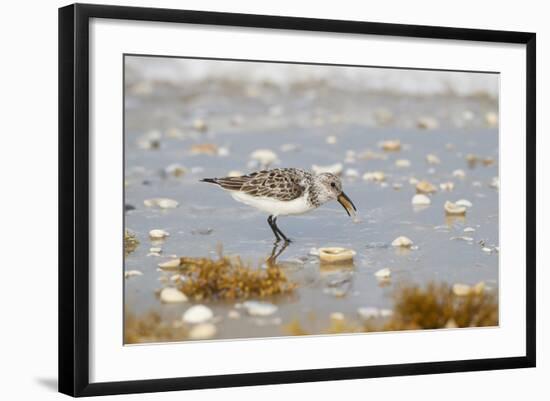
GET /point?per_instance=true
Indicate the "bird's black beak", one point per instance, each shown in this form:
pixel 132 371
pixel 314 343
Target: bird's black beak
pixel 347 203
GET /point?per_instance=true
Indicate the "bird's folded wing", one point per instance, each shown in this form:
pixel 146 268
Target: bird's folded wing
pixel 271 184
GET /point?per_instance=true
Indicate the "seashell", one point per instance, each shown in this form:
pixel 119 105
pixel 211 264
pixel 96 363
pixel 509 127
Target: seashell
pixel 132 273
pixel 175 170
pixel 331 140
pixel 336 254
pixel 200 125
pixel 265 157
pixel 235 173
pixel 428 123
pixel 171 295
pixel 447 186
pixel 491 118
pixel 402 241
pixel 352 173
pixel 203 331
pixel 420 200
pixel 368 312
pixel 256 308
pixel 158 234
pixel 402 163
pixel 454 209
pixel 336 169
pixel 479 288
pixel 392 145
pixel 337 316
pixel 469 230
pixel 486 249
pixel 463 202
pixel 223 151
pixel 155 250
pixel 386 312
pixel 377 176
pixel 459 174
pixel 170 264
pixel 461 290
pixel 432 159
pixel 383 274
pixel 163 203
pixel 197 314
pixel 425 187
pixel 204 149
pixel 383 116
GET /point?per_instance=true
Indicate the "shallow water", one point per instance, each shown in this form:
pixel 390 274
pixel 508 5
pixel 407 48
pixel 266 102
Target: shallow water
pixel 207 216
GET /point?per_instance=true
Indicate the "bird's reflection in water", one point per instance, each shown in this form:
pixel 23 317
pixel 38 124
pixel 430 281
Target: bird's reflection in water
pixel 276 251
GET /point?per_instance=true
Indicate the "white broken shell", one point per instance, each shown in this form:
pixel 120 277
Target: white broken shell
pixel 420 200
pixel 336 254
pixel 197 314
pixel 383 274
pixel 171 295
pixel 454 209
pixel 402 241
pixel 256 308
pixel 158 234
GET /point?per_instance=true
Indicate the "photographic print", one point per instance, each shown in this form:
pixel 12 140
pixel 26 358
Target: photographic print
pixel 272 199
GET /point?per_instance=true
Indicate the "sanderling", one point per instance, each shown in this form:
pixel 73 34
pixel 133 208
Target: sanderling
pixel 285 191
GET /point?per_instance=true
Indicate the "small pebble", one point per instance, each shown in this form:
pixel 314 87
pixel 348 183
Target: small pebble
pixel 402 241
pixel 256 308
pixel 486 249
pixel 200 125
pixel 420 200
pixel 469 230
pixel 203 331
pixel 197 314
pixel 158 234
pixel 233 314
pixel 171 295
pixel 155 250
pixel 175 170
pixel 352 173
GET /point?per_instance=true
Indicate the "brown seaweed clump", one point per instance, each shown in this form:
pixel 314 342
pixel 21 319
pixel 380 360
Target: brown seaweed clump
pixel 151 328
pixel 230 279
pixel 436 306
pixel 130 242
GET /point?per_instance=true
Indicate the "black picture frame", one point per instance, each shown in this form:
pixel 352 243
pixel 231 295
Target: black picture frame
pixel 74 198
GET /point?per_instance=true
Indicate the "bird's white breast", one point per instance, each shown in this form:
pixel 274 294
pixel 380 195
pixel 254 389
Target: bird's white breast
pixel 274 206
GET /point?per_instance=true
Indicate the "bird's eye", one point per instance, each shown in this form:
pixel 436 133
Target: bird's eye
pixel 332 184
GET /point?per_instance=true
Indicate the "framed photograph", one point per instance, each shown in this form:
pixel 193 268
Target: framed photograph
pixel 251 199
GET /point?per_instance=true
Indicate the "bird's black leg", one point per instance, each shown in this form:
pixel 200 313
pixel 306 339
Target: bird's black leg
pixel 279 231
pixel 271 223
